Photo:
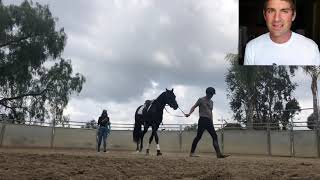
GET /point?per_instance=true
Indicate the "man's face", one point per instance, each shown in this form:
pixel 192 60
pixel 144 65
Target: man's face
pixel 209 96
pixel 279 16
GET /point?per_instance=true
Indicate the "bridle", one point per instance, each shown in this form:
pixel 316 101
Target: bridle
pixel 184 114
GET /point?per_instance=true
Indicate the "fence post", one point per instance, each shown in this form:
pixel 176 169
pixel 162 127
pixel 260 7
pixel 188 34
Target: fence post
pixel 52 133
pixel 292 151
pixel 97 138
pixel 318 138
pixel 268 139
pixel 3 128
pixel 222 139
pixel 180 137
pixel 317 128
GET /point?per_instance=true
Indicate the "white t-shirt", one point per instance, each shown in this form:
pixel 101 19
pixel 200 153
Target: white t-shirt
pixel 299 50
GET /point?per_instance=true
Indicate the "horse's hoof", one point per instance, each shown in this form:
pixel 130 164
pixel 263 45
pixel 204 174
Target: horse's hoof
pixel 159 153
pixel 147 152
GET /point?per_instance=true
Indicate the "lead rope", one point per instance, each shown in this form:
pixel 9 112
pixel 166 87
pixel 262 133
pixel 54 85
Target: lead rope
pixel 173 115
pixel 184 114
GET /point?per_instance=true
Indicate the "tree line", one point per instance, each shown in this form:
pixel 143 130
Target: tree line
pixel 261 95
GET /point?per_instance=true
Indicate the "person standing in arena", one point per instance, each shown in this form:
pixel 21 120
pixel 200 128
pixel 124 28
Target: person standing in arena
pixel 205 122
pixel 104 129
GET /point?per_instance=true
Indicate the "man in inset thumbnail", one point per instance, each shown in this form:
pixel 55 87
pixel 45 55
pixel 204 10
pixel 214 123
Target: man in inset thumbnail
pixel 281 46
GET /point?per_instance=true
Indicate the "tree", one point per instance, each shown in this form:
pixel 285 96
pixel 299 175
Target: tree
pixel 313 72
pixel 35 81
pixel 245 84
pixel 261 94
pixel 192 127
pixel 90 125
pixel 232 126
pixel 311 121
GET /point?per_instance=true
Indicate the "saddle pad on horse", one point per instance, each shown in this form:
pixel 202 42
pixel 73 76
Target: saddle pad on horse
pixel 145 108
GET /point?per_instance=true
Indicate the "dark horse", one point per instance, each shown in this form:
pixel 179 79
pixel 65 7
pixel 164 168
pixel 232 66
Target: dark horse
pixel 152 116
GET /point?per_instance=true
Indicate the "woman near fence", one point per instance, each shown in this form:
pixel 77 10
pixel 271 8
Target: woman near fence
pixel 104 129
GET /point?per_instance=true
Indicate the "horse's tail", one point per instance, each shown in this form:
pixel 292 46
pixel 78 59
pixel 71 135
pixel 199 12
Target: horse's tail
pixel 137 126
pixel 136 132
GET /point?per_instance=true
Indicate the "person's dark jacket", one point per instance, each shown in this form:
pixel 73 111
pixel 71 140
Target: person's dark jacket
pixel 104 121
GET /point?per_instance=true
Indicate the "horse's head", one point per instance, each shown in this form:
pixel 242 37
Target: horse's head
pixel 171 99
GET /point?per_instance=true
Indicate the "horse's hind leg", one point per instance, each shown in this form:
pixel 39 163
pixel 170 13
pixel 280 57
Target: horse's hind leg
pixel 139 142
pixel 137 149
pixel 145 129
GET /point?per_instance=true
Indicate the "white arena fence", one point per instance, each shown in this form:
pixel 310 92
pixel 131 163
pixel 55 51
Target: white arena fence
pixel 296 141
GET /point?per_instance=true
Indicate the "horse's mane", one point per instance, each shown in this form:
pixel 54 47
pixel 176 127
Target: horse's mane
pixel 160 99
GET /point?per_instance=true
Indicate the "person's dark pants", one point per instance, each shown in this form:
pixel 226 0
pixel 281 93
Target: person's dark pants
pixel 102 136
pixel 206 124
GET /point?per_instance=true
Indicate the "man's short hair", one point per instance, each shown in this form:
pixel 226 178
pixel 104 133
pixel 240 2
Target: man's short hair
pixel 210 90
pixel 292 4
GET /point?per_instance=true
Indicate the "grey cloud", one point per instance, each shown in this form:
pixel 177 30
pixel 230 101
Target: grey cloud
pixel 114 48
pixel 130 70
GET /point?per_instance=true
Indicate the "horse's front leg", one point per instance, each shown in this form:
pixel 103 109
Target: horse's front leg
pixel 154 130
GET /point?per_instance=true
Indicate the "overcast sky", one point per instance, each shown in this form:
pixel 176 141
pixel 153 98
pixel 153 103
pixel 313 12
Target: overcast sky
pixel 132 50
